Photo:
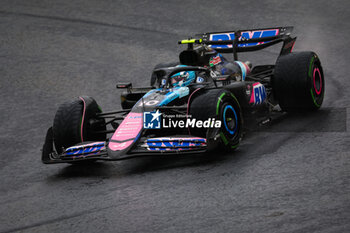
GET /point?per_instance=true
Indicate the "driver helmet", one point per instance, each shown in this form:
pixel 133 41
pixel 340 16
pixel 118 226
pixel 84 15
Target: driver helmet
pixel 182 78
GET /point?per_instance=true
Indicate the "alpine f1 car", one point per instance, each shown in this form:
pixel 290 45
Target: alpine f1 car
pixel 192 106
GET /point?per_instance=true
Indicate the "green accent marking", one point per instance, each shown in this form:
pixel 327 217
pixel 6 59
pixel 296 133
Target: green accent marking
pixel 211 63
pixel 223 138
pixel 236 100
pixel 310 66
pixel 218 103
pixel 99 108
pixel 314 99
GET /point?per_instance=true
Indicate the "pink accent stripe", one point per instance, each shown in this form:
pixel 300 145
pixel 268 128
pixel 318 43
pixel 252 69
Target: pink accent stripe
pixel 177 138
pixel 247 68
pixel 292 47
pixel 114 146
pixel 128 129
pixel 85 145
pixel 319 75
pixel 82 119
pixel 252 96
pixel 188 107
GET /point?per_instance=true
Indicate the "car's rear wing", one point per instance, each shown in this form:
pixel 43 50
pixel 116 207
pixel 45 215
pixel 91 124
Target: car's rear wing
pixel 245 40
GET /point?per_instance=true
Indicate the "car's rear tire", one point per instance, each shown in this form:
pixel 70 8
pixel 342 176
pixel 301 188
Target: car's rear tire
pixel 75 122
pixel 220 105
pixel 298 82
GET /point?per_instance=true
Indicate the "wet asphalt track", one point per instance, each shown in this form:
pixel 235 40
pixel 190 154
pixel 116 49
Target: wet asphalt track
pixel 290 177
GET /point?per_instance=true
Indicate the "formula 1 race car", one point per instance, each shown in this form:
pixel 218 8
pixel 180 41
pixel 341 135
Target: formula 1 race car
pixel 192 106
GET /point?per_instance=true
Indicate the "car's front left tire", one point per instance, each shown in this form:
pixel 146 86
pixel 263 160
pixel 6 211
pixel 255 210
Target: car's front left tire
pixel 220 105
pixel 76 122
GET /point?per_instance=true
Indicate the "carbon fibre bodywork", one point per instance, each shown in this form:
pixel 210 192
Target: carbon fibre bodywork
pixel 250 87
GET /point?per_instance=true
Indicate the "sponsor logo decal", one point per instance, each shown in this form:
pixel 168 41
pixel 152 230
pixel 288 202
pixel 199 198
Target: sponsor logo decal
pixel 163 82
pixel 258 94
pixel 174 143
pixel 200 79
pixel 244 35
pixel 214 60
pixel 148 102
pixel 85 149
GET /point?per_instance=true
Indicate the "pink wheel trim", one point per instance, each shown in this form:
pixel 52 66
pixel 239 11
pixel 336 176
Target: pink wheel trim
pixel 318 91
pixel 82 120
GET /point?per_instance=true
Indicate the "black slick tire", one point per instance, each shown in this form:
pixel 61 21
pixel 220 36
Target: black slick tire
pixel 298 82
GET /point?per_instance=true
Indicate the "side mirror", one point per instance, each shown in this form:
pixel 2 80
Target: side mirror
pixel 127 86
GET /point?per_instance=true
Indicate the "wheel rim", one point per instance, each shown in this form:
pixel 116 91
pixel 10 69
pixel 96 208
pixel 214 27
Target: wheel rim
pixel 317 78
pixel 230 119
